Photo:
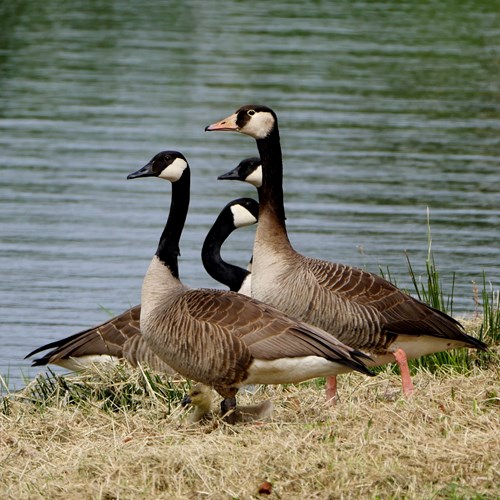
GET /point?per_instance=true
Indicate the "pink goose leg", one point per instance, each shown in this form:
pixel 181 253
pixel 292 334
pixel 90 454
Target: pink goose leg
pixel 331 389
pixel 402 362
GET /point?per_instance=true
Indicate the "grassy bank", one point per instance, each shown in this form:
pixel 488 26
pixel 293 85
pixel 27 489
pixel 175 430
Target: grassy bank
pixel 121 433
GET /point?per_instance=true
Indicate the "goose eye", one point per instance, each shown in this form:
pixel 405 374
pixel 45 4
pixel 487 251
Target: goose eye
pixel 250 112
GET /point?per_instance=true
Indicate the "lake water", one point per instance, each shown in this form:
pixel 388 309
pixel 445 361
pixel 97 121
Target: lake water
pixel 385 109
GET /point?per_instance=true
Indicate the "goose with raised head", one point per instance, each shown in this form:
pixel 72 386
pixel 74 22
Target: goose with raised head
pixel 120 337
pixel 224 339
pixel 200 397
pixel 360 308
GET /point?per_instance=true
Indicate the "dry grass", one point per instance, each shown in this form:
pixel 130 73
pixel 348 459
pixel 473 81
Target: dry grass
pixel 441 443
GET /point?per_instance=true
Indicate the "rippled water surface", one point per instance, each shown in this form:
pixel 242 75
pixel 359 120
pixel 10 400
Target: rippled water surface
pixel 386 109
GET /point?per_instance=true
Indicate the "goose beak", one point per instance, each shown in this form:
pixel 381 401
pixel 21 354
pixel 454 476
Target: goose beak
pixel 231 175
pixel 146 171
pixel 228 123
pixel 186 400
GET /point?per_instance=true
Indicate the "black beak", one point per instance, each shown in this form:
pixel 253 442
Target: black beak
pixel 146 171
pixel 186 400
pixel 232 175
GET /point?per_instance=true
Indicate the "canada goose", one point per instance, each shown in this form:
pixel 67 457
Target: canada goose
pixel 361 309
pixel 224 339
pixel 120 337
pixel 200 397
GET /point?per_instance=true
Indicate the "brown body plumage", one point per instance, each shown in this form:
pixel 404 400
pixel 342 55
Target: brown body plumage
pixel 224 339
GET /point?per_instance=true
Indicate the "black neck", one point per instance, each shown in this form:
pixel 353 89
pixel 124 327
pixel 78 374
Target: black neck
pixel 168 246
pixel 228 274
pixel 271 191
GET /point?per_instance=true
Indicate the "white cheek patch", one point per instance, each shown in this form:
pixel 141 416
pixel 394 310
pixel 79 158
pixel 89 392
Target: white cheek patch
pixel 260 125
pixel 174 171
pixel 242 217
pixel 255 178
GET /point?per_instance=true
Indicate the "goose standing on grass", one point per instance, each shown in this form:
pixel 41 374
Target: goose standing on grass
pixel 121 337
pixel 224 339
pixel 361 309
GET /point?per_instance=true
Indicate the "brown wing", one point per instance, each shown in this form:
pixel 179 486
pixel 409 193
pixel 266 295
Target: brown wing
pixel 372 311
pixel 227 330
pixel 107 338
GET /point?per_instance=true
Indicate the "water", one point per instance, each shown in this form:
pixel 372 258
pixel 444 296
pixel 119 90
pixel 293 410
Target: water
pixel 385 109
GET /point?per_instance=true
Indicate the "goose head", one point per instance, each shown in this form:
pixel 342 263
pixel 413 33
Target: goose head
pixel 199 395
pixel 244 211
pixel 200 398
pixel 248 170
pixel 168 165
pixel 254 120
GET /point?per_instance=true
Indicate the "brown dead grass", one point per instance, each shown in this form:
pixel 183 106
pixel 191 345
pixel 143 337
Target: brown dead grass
pixel 444 442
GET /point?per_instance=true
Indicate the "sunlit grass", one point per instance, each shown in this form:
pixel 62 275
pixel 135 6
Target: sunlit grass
pixel 429 288
pixel 373 443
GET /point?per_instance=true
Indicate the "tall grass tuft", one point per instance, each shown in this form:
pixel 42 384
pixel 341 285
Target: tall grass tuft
pixel 429 290
pixel 489 331
pixel 107 387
